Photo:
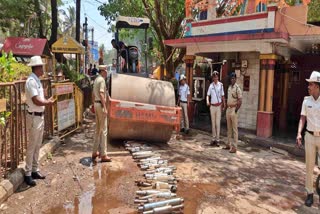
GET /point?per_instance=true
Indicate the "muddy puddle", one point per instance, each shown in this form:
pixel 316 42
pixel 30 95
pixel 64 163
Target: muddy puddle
pixel 111 192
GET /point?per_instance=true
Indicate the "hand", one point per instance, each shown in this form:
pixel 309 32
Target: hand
pixel 51 101
pixel 105 112
pixel 299 141
pixel 208 104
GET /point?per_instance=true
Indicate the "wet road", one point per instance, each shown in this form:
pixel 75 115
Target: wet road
pixel 211 180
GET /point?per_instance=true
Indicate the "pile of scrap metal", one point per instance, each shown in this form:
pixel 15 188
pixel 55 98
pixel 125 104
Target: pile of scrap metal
pixel 157 192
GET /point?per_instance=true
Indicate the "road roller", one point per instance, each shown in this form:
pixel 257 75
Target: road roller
pixel 140 108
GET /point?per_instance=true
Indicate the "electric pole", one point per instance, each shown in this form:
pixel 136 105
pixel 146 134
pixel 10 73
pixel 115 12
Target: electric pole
pixel 85 30
pixel 78 9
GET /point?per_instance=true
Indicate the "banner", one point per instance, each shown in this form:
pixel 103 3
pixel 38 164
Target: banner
pixel 66 114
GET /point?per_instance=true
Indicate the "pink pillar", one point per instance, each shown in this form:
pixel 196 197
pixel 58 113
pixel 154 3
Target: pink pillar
pixel 188 9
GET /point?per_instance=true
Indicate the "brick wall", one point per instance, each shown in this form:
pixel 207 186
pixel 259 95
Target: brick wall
pixel 247 115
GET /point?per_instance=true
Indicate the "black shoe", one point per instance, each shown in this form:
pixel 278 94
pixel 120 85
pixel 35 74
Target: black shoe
pixel 29 181
pixel 182 130
pixel 37 175
pixel 309 200
pixel 186 131
pixel 214 143
pixel 218 143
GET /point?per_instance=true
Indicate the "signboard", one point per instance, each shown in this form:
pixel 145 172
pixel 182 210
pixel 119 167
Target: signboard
pixel 94 50
pixel 63 89
pixel 3 105
pixel 21 46
pixel 66 114
pixel 67 44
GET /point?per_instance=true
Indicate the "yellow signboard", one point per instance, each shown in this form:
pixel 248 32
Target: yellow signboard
pixel 3 105
pixel 67 44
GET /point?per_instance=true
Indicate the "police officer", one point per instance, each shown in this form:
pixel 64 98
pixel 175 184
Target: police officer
pixel 183 102
pixel 234 102
pixel 216 104
pixel 310 112
pixel 35 119
pixel 100 105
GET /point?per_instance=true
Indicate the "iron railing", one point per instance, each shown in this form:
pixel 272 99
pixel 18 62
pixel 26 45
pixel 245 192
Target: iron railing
pixel 14 136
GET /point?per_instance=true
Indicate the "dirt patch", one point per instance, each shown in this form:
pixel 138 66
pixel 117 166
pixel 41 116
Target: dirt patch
pixel 108 180
pixel 74 187
pixel 196 193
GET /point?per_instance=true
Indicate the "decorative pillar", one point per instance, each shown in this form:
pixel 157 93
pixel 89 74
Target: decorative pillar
pixel 284 101
pixel 262 91
pixel 189 60
pixel 270 81
pixel 188 9
pixel 212 13
pixel 265 114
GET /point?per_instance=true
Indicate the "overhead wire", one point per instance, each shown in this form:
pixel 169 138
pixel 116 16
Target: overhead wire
pixel 96 22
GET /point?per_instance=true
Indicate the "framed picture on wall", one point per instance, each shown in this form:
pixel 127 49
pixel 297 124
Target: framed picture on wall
pixel 198 91
pixel 294 76
pixel 246 83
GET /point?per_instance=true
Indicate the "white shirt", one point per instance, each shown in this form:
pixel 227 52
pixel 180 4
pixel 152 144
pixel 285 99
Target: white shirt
pixel 311 109
pixel 184 91
pixel 215 91
pixel 34 88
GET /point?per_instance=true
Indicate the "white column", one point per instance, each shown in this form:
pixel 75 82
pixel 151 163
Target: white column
pixel 212 13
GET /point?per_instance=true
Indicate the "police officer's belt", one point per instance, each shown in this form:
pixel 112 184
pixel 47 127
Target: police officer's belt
pixel 232 106
pixel 183 101
pixel 36 113
pixel 216 104
pixel 317 134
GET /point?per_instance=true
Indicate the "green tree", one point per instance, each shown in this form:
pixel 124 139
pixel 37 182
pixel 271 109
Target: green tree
pixel 165 20
pixel 314 8
pixel 13 15
pixel 30 18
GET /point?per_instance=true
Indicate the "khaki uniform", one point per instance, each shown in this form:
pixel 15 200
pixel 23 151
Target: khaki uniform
pixel 100 139
pixel 184 91
pixel 216 92
pixel 35 123
pixel 234 93
pixel 311 109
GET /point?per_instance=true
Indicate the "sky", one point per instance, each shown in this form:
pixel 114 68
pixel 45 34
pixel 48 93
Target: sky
pixel 95 20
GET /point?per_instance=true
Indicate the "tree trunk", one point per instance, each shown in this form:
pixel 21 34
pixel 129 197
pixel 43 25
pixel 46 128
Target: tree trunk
pixel 78 10
pixel 37 7
pixel 54 24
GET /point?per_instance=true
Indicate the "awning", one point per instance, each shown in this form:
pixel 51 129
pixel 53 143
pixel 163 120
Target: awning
pixel 21 46
pixel 67 44
pixel 263 37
